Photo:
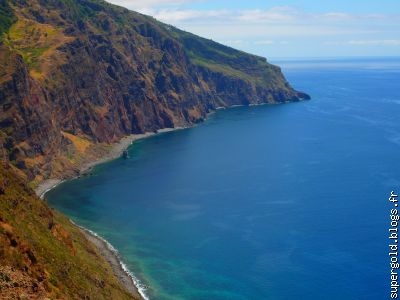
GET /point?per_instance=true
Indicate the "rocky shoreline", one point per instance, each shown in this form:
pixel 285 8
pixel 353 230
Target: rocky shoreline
pixel 115 152
pixel 106 249
pixel 110 254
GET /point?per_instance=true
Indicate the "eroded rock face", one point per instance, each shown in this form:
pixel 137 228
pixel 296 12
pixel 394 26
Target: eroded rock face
pixel 15 284
pixel 100 72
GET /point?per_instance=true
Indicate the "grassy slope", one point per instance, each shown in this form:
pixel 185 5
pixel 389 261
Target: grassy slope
pixel 203 52
pixel 48 249
pixel 41 253
pixel 7 17
pixel 226 60
pixel 34 240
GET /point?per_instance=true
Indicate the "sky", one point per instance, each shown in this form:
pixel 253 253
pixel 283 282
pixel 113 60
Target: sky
pixel 286 28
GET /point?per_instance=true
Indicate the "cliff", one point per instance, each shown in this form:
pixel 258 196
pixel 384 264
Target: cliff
pixel 76 76
pixel 42 255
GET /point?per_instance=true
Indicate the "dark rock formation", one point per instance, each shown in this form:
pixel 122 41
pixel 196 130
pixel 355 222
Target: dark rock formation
pixel 99 72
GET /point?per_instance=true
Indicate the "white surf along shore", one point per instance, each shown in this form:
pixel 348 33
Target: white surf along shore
pixel 125 276
pixel 121 271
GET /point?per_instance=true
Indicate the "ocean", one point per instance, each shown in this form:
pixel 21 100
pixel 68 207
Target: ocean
pixel 284 201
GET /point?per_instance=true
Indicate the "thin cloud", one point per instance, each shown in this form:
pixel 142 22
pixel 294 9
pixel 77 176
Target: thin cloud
pixel 276 29
pixel 392 42
pixel 173 16
pixel 233 42
pixel 265 42
pixel 270 42
pixel 374 42
pixel 277 15
pixel 146 4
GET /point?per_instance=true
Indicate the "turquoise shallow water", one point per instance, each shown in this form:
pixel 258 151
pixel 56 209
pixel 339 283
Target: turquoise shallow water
pixel 269 202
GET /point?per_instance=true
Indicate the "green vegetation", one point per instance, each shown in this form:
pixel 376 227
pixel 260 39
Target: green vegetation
pixel 88 9
pixel 224 59
pixel 31 55
pixel 32 40
pixel 23 38
pixel 7 17
pixel 206 53
pixel 80 10
pixel 220 68
pixel 45 247
pixel 71 49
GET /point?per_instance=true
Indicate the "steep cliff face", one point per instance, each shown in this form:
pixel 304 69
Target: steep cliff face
pixel 75 76
pixel 42 255
pixel 78 74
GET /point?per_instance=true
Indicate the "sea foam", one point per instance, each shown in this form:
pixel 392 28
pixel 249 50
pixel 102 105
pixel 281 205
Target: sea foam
pixel 139 285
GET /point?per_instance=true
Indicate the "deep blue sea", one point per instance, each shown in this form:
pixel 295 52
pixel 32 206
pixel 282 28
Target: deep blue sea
pixel 266 202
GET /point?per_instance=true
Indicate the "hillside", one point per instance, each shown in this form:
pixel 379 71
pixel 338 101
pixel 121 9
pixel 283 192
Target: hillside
pixel 42 255
pixel 78 75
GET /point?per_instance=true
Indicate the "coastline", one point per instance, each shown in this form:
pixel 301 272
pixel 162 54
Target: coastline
pixel 116 151
pixel 110 254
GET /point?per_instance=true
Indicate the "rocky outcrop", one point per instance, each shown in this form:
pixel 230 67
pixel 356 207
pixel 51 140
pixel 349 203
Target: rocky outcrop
pixel 99 72
pixel 75 76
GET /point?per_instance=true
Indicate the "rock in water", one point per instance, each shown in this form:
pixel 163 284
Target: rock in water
pixel 99 72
